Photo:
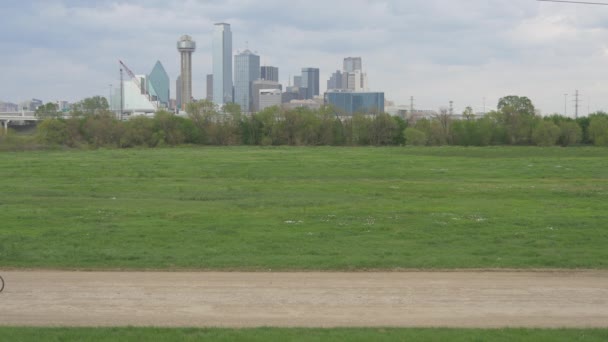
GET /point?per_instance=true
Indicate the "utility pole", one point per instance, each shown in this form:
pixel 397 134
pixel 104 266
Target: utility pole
pixel 411 106
pixel 122 95
pixel 576 104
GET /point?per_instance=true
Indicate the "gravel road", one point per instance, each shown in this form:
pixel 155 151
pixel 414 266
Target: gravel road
pixel 371 299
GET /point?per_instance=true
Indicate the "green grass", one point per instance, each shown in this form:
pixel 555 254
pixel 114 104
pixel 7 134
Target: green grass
pixel 271 334
pixel 305 208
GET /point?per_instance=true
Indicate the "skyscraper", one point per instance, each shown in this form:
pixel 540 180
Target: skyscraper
pixel 310 81
pixel 186 46
pixel 269 73
pixel 297 81
pixel 246 70
pixel 352 64
pixel 159 85
pixel 222 64
pixel 210 87
pixel 335 81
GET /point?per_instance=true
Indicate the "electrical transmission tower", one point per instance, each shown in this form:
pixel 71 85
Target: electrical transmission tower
pixel 577 104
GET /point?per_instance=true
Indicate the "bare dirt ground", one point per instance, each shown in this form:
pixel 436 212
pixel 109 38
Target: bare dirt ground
pixel 403 299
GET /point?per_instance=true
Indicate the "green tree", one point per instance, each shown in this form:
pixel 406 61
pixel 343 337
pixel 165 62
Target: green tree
pixel 52 132
pixel 383 130
pixel 546 133
pixel 360 126
pixel 204 116
pixel 168 128
pixel 517 115
pixel 516 104
pixel 415 137
pixel 598 130
pixel 96 105
pixel 570 133
pixel 48 111
pixel 139 131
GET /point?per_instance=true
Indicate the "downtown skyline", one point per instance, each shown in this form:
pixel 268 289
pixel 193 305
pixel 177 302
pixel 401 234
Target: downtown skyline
pixel 436 51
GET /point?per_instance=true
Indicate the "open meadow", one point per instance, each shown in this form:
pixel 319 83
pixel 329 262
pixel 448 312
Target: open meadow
pixel 326 208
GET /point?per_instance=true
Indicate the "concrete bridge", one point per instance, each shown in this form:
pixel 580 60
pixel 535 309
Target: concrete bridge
pixel 7 118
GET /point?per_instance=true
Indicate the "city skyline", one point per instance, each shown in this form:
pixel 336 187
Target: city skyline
pixel 461 52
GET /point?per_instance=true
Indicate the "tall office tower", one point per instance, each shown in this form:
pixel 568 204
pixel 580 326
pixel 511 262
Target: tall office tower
pixel 297 81
pixel 352 64
pixel 246 70
pixel 178 93
pixel 335 81
pixel 269 73
pixel 222 64
pixel 210 87
pixel 310 81
pixel 159 85
pixel 186 46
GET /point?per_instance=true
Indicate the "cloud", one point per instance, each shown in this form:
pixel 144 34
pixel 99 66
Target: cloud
pixel 435 50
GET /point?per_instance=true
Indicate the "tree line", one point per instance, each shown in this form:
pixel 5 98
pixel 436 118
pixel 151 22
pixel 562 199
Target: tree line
pixel 514 122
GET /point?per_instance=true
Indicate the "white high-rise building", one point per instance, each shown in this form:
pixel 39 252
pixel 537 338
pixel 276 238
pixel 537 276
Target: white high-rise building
pixel 222 64
pixel 355 81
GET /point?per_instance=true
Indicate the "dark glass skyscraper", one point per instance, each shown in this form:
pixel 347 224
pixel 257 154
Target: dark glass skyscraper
pixel 310 81
pixel 350 103
pixel 269 73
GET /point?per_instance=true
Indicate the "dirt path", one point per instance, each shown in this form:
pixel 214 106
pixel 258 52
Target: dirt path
pixel 420 299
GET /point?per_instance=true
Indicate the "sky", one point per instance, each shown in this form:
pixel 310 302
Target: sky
pixel 434 50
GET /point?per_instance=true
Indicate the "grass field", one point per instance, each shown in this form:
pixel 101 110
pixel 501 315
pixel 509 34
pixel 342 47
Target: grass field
pixel 305 208
pixel 271 334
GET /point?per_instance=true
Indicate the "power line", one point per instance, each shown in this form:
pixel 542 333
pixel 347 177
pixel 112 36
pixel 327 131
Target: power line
pixel 577 2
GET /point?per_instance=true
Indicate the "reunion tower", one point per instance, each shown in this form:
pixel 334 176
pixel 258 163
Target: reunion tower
pixel 186 46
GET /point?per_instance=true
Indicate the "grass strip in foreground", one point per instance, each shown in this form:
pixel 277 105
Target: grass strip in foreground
pixel 272 334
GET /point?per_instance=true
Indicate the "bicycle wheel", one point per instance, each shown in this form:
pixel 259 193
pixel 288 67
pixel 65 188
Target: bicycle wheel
pixel 1 284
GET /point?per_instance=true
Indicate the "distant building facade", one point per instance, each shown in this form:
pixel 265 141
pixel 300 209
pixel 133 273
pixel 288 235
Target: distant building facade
pixel 350 78
pixel 260 85
pixel 269 98
pixel 349 103
pixel 8 107
pixel 30 105
pixel 210 87
pixel 335 81
pixel 352 64
pixel 178 93
pixel 269 73
pixel 246 70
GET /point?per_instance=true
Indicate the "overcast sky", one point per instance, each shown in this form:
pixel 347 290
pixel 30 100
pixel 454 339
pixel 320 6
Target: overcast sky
pixel 434 50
